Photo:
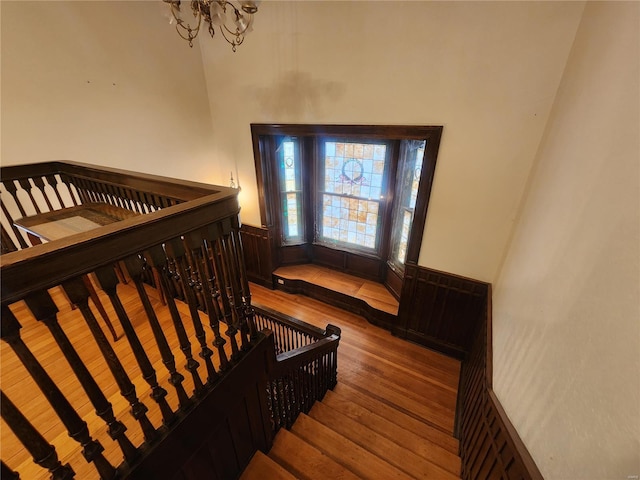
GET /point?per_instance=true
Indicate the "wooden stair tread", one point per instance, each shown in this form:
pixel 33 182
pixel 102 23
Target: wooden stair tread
pixel 304 460
pixel 398 417
pixel 420 446
pixel 379 445
pixel 261 467
pixel 344 451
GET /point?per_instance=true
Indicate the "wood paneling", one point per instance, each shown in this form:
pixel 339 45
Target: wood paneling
pixel 223 431
pixel 439 310
pixel 489 444
pixel 258 256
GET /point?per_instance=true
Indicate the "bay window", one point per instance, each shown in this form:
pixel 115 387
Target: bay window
pixel 351 197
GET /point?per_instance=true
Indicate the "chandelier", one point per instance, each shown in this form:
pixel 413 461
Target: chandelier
pixel 233 22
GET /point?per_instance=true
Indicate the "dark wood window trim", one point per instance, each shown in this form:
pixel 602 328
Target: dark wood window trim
pixel 264 137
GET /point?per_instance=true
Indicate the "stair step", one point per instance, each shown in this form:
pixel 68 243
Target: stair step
pixel 420 446
pixel 379 445
pixel 261 467
pixel 347 453
pixel 397 417
pixel 305 461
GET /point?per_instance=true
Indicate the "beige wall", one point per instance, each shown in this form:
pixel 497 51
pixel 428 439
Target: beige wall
pixel 567 303
pixel 108 83
pixel 486 71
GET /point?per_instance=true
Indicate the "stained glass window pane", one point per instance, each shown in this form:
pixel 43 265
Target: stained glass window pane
pixel 352 186
pixel 291 191
pixel 410 171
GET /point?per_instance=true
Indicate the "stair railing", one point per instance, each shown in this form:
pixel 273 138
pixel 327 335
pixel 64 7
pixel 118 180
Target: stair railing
pixel 305 367
pixel 189 234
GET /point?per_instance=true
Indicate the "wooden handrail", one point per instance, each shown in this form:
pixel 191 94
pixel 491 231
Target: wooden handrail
pixel 188 235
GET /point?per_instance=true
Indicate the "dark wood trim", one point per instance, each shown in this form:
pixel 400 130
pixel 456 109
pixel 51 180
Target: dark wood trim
pixel 347 302
pixel 439 310
pixel 413 132
pixel 490 446
pixel 393 281
pixel 223 431
pixel 257 254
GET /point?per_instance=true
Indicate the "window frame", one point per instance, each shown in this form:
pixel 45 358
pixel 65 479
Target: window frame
pixel 309 137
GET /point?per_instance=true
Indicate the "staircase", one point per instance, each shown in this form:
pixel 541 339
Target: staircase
pixel 391 414
pixel 351 434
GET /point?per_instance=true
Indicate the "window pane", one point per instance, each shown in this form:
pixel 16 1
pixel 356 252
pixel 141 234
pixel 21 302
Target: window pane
pixel 408 183
pixel 351 188
pixel 290 190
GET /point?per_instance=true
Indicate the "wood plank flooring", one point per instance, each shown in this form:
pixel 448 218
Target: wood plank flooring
pixel 384 383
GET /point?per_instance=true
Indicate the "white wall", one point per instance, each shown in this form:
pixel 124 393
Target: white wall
pixel 108 83
pixel 567 303
pixel 486 71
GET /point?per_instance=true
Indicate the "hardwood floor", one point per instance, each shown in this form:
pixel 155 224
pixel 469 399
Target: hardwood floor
pixel 392 388
pixel 391 414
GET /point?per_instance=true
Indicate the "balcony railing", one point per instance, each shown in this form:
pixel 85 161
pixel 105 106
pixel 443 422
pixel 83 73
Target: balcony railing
pixel 183 242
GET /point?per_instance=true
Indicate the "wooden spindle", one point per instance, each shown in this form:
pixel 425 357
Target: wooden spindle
pixel 39 182
pixel 45 310
pixel 14 229
pixel 213 234
pixel 249 313
pixel 77 428
pixel 51 179
pixel 66 180
pixel 26 186
pixel 10 185
pixel 43 453
pixel 7 474
pixel 157 258
pixel 108 281
pixel 134 265
pixel 231 278
pixel 79 295
pixel 176 250
pixel 212 295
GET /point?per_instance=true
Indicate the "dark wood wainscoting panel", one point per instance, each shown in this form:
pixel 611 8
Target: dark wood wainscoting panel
pixel 348 262
pixel 258 256
pixel 440 310
pixel 294 254
pixel 393 282
pixel 489 444
pixel 218 437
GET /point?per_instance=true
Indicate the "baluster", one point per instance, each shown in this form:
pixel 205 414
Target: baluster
pixel 232 281
pixel 39 182
pixel 43 453
pixel 249 313
pixel 68 183
pixel 134 267
pixel 16 232
pixel 210 294
pixel 45 310
pixel 7 474
pixel 176 250
pixel 108 281
pixel 10 185
pixel 51 179
pixel 213 236
pixel 79 295
pixel 77 428
pixel 26 186
pixel 157 258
